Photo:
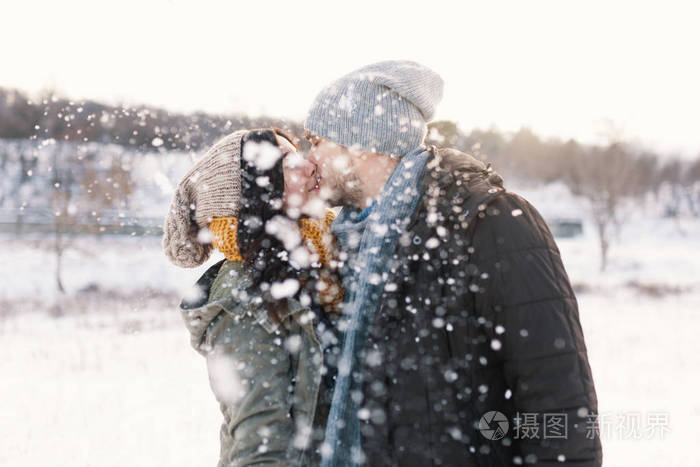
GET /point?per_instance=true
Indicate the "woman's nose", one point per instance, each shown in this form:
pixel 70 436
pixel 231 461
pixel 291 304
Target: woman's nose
pixel 308 168
pixel 311 157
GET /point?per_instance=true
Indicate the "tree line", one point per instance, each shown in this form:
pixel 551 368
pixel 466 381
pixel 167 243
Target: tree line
pixel 139 127
pixel 606 176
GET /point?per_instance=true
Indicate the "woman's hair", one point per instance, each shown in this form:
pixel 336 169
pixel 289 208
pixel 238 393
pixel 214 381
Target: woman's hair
pixel 264 254
pixel 288 136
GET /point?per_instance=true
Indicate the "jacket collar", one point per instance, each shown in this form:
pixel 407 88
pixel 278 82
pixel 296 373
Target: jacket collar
pixel 202 288
pixel 482 184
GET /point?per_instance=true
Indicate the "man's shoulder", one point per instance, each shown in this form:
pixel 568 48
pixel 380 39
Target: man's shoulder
pixel 447 160
pixel 469 189
pixel 458 183
pixel 454 170
pixel 511 223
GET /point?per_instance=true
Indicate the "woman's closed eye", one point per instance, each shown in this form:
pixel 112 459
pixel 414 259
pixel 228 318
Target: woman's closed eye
pixel 292 160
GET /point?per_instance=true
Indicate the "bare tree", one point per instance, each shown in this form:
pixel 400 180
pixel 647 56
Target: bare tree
pixel 691 186
pixel 606 177
pixel 104 189
pixel 64 212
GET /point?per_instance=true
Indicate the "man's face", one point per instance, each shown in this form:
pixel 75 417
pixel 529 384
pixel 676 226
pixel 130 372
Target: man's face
pixel 338 182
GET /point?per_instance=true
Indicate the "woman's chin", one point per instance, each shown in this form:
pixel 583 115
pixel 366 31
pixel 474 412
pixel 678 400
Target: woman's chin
pixel 311 205
pixel 315 206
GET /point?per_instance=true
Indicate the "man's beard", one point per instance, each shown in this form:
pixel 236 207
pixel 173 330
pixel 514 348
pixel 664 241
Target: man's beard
pixel 345 189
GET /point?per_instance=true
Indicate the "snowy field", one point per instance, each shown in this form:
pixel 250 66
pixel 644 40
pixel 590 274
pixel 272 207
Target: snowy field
pixel 107 377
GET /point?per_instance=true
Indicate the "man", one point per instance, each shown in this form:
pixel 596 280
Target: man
pixel 459 316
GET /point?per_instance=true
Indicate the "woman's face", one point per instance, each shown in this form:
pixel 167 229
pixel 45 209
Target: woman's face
pixel 300 178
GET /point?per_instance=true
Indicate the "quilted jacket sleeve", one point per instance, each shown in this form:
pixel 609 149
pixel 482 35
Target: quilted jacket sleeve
pixel 533 324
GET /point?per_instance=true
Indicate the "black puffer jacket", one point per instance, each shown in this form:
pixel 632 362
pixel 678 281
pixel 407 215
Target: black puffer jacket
pixel 478 315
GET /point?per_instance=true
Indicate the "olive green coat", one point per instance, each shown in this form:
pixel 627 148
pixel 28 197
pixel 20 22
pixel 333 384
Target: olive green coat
pixel 265 376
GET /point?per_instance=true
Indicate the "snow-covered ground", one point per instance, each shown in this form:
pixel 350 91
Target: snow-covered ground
pixel 110 379
pixel 641 321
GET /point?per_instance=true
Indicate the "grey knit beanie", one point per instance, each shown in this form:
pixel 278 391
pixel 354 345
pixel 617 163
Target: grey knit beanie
pixel 381 108
pixel 211 188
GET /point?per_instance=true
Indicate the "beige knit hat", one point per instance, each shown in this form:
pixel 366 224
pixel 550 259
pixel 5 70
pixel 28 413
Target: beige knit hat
pixel 211 188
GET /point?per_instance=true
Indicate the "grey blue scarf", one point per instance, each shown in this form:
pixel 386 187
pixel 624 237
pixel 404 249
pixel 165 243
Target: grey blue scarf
pixel 371 244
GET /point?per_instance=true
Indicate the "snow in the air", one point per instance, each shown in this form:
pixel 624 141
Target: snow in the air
pixel 106 375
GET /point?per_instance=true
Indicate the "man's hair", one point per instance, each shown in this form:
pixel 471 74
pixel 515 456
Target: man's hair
pixel 310 137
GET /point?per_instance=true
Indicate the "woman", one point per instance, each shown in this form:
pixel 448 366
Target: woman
pixel 251 315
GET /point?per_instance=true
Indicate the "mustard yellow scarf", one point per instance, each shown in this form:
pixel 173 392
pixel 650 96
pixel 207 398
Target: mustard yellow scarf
pixel 317 238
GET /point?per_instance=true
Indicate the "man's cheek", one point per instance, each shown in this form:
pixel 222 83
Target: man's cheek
pixel 324 166
pixel 340 163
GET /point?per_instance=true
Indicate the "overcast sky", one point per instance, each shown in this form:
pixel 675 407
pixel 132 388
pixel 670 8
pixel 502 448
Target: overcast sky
pixel 562 68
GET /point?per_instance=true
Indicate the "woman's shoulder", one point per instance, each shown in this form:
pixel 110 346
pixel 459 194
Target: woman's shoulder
pixel 230 279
